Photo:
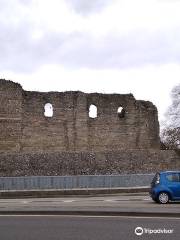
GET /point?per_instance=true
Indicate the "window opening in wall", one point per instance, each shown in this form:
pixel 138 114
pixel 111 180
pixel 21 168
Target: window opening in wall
pixel 92 111
pixel 48 110
pixel 121 112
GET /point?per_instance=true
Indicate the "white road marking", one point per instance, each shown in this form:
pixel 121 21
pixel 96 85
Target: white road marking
pixel 110 200
pixel 121 200
pixel 25 202
pixel 68 201
pixel 146 199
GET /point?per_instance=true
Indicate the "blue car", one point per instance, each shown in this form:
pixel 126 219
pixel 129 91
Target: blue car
pixel 165 187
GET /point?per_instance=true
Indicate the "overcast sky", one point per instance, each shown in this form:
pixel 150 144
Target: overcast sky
pixel 109 46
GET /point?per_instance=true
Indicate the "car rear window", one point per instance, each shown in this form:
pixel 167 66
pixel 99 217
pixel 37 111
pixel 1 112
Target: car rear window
pixel 174 177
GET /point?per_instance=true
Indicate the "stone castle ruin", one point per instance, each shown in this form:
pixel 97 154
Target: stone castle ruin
pixel 55 133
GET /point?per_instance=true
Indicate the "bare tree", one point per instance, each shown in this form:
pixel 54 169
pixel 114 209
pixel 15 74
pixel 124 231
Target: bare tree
pixel 171 138
pixel 170 134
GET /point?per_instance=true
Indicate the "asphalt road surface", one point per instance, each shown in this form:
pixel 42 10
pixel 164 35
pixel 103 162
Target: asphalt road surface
pixel 87 228
pixel 116 203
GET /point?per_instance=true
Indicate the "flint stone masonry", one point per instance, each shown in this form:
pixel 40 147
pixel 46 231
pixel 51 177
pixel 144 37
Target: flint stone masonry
pixel 10 116
pixel 71 142
pixel 85 163
pixel 25 128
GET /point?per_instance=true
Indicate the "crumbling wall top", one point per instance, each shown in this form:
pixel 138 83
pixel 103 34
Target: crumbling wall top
pixel 9 83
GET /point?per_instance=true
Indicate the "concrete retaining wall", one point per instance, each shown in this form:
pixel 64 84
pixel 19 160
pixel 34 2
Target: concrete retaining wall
pixel 74 182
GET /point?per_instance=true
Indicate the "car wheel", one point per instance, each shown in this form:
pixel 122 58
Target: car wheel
pixel 163 197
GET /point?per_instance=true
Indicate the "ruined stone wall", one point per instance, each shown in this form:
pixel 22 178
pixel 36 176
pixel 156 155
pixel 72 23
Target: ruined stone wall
pixel 88 163
pixel 10 116
pixel 71 128
pixel 71 142
pixel 24 127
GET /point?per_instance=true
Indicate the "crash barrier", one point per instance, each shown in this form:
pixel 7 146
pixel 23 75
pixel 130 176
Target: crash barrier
pixel 75 182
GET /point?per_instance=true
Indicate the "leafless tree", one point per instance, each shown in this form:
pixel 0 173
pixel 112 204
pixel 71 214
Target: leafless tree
pixel 170 134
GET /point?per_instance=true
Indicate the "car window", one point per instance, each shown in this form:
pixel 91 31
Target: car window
pixel 174 177
pixel 156 178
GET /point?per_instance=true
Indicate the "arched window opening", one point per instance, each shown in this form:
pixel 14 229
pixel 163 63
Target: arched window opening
pixel 121 112
pixel 92 111
pixel 48 110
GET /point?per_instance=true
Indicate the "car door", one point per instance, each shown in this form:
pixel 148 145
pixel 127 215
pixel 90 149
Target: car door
pixel 173 182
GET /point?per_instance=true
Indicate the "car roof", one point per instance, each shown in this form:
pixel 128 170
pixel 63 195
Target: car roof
pixel 164 172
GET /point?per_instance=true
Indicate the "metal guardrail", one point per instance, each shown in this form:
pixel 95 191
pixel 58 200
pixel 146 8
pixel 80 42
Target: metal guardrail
pixel 75 182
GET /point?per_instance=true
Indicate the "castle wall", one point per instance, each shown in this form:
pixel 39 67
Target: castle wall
pixel 71 142
pixel 88 163
pixel 71 128
pixel 10 116
pixel 25 128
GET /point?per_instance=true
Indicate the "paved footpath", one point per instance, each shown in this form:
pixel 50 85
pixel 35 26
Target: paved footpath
pixel 118 204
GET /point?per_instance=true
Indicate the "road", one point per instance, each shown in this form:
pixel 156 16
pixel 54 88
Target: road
pixel 131 203
pixel 96 218
pixel 86 228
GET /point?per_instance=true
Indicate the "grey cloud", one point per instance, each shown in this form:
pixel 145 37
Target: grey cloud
pixel 85 7
pixel 133 50
pixel 21 53
pixel 10 6
pixel 25 2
